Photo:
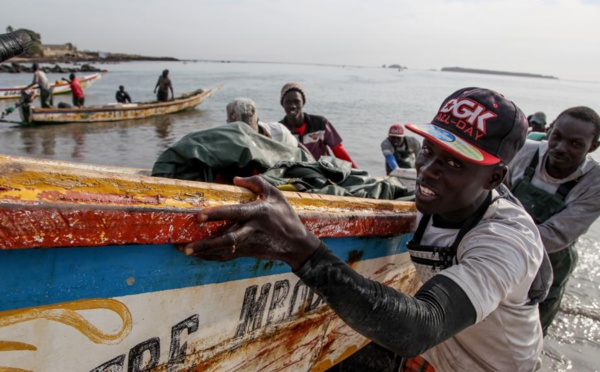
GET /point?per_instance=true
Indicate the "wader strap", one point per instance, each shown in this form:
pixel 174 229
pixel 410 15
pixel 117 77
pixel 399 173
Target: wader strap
pixel 530 171
pixel 469 224
pixel 562 190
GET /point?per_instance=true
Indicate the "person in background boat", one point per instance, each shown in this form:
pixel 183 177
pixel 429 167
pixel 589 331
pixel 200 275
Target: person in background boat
pixel 399 151
pixel 122 96
pixel 477 308
pixel 78 96
pixel 558 183
pixel 41 80
pixel 244 110
pixel 25 100
pixel 164 85
pixel 537 126
pixel 314 132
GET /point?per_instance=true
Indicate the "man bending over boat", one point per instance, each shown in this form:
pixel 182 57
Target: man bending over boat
pixel 558 183
pixel 244 110
pixel 399 150
pixel 476 250
pixel 40 79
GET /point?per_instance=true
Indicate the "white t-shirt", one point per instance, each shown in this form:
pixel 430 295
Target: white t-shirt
pixel 497 262
pixel 280 133
pixel 39 78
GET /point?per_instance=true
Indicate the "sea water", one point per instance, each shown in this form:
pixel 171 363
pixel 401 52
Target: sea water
pixel 361 103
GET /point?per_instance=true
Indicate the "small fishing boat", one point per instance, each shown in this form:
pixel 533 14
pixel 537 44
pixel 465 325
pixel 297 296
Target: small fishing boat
pixel 92 280
pixel 112 112
pixel 59 87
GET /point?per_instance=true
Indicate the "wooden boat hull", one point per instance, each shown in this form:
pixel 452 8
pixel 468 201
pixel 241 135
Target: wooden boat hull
pixel 115 112
pixel 60 87
pixel 108 290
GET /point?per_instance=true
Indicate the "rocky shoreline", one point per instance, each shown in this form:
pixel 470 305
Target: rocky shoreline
pixel 15 68
pixel 83 62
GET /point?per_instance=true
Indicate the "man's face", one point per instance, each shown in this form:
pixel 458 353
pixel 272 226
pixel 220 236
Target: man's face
pixel 535 127
pixel 396 141
pixel 293 103
pixel 570 140
pixel 448 185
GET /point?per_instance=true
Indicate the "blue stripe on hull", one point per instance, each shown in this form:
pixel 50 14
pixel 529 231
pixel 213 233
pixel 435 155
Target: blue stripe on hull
pixel 36 277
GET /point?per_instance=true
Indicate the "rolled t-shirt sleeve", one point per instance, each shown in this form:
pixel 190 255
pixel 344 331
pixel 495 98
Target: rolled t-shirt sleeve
pixel 387 148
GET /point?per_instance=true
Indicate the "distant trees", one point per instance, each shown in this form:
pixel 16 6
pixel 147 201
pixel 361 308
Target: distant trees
pixel 71 47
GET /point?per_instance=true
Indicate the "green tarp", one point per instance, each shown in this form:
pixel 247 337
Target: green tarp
pixel 236 150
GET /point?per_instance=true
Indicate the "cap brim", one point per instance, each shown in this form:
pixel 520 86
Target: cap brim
pixel 456 145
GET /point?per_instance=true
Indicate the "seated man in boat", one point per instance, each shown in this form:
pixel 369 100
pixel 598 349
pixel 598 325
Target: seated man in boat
pixel 122 96
pixel 558 183
pixel 164 85
pixel 476 250
pixel 244 110
pixel 399 150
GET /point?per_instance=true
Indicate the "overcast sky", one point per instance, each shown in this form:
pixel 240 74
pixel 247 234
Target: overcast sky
pixel 554 37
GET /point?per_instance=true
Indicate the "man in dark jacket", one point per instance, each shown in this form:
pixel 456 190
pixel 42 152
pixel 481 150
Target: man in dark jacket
pixel 315 132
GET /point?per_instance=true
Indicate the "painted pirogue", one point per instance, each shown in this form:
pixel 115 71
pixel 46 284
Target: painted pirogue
pixel 59 87
pixel 92 280
pixel 113 112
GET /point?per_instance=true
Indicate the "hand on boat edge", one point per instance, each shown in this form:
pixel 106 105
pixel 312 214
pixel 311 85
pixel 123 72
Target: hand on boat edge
pixel 267 228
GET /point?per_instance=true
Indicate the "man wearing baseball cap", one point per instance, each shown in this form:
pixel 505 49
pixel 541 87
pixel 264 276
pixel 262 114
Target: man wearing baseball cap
pixel 537 126
pixel 476 251
pixel 399 150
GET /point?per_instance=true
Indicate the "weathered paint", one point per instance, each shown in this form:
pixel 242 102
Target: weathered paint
pixel 118 300
pixel 117 112
pixel 267 321
pixel 60 87
pixel 50 204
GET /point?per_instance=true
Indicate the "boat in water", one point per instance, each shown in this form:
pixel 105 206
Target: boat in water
pixel 112 112
pixel 92 279
pixel 59 87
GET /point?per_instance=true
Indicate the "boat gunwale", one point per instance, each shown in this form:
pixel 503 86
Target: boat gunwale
pixel 49 199
pixel 86 81
pixel 139 106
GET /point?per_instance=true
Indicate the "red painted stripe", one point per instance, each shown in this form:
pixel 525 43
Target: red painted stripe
pixel 31 227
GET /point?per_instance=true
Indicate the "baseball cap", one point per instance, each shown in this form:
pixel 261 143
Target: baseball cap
pixel 478 125
pixel 396 130
pixel 538 118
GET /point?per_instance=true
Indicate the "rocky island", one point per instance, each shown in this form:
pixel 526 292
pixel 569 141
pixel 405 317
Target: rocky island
pixel 54 56
pixel 492 72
